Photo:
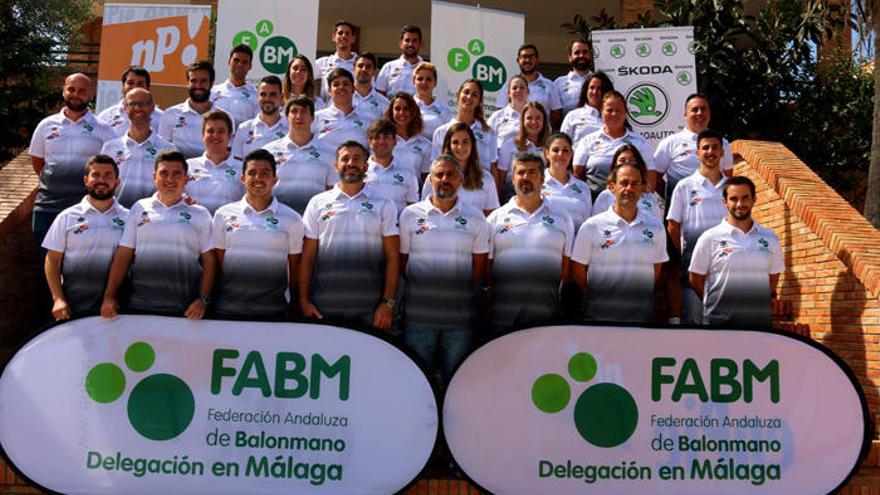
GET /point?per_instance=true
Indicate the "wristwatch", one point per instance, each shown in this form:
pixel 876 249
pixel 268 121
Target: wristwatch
pixel 205 299
pixel 389 302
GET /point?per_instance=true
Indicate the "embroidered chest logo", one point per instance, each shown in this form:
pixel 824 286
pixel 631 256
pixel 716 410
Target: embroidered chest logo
pixel 151 150
pixel 418 149
pixel 82 227
pixel 185 217
pixel 647 236
pixel 725 249
pixel 694 198
pixel 576 188
pixel 646 204
pixel 548 221
pixel 460 222
pixel 506 226
pixel 118 223
pixel 608 242
pixel 232 223
pixel 145 219
pixel 251 138
pixel 88 129
pixel 120 157
pixel 422 226
pixel 53 134
pixel 765 246
pixel 366 207
pixel 271 223
pixel 329 213
pixel 230 174
pixel 398 180
pixel 181 122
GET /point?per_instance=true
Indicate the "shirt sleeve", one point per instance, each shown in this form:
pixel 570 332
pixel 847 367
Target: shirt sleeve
pixel 238 142
pixel 702 254
pixel 426 188
pixel 505 155
pixel 382 78
pixel 129 235
pixel 568 124
pixel 661 156
pixel 295 235
pixel 555 97
pixel 425 165
pixel 727 159
pixel 218 229
pixel 56 237
pixel 581 252
pixel 165 124
pixel 777 263
pixel 581 153
pixel 389 219
pixel 404 230
pixel 490 193
pixel 484 236
pixel 568 230
pixel 437 141
pixel 677 203
pixel 412 188
pixel 492 143
pixel 660 254
pixel 206 239
pixel 38 141
pixel 331 178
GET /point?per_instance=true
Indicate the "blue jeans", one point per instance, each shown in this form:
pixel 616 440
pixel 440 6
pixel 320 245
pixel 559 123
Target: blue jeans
pixel 454 344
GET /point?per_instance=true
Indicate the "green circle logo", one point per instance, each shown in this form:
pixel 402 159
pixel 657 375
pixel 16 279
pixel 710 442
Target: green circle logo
pixel 617 51
pixel 648 104
pixel 643 49
pixel 490 72
pixel 595 52
pixel 668 49
pixel 245 38
pixel 276 53
pixel 476 47
pixel 458 60
pixel 692 47
pixel 265 27
pixel 683 78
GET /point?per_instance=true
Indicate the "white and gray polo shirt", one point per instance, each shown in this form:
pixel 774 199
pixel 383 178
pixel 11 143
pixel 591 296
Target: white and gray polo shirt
pixel 573 197
pixel 214 184
pixel 136 162
pixel 487 142
pixel 256 246
pixel 439 270
pixel 117 119
pixel 595 151
pixel 413 154
pixel 324 65
pixel 676 155
pixel 333 127
pixel 697 205
pixel 254 134
pixel 168 241
pixel 620 257
pixel 240 102
pixel 650 203
pixel 505 123
pixel 433 116
pixel 738 266
pixel 396 76
pixel 371 107
pixel 302 171
pixel 569 88
pixel 182 126
pixel 581 122
pixel 542 90
pixel 393 183
pixel 88 240
pixel 484 198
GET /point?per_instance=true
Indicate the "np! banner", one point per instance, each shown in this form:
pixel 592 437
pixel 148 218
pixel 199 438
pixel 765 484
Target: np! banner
pixel 148 404
pixel 162 38
pixel 605 410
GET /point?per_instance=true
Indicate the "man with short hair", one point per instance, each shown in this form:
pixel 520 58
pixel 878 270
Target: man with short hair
pixel 350 260
pixel 81 243
pixel 167 244
pixel 697 205
pixel 236 96
pixel 258 242
pixel 181 125
pixel 116 116
pixel 267 126
pixel 344 39
pixel 370 103
pixel 736 264
pixel 541 89
pixel 215 176
pixel 443 250
pixel 580 56
pixel 618 254
pixel 396 75
pixel 385 178
pixel 531 251
pixel 135 151
pixel 341 121
pixel 305 164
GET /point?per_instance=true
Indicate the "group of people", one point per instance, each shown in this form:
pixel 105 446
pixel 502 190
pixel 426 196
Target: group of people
pixel 379 206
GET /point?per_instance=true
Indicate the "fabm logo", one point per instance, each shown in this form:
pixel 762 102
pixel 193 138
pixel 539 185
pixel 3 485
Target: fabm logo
pixel 275 53
pixel 605 414
pixel 648 104
pixel 488 70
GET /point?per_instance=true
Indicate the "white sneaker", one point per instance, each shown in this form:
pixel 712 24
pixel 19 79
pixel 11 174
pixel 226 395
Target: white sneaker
pixel 675 320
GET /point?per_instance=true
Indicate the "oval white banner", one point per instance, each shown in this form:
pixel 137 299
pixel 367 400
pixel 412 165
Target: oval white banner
pixel 148 404
pixel 610 410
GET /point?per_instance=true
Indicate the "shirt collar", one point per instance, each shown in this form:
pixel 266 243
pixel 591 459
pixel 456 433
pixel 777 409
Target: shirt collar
pixel 406 63
pixel 639 219
pixel 158 204
pixel 513 206
pixel 271 209
pixel 86 206
pixel 88 117
pixel 731 229
pixel 428 206
pixel 293 146
pixel 338 192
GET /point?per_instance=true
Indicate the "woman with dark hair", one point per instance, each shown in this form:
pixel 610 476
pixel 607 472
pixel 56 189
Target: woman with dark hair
pixel 506 121
pixel 560 185
pixel 299 80
pixel 478 189
pixel 593 154
pixel 413 150
pixel 586 118
pixel 470 111
pixel 533 130
pixel 650 203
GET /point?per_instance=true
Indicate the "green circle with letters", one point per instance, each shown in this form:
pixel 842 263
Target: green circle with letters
pixel 265 27
pixel 490 72
pixel 476 47
pixel 245 38
pixel 458 60
pixel 276 53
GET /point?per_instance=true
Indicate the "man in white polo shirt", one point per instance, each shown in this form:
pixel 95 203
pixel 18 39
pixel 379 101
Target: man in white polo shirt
pixel 215 177
pixel 258 242
pixel 396 75
pixel 167 244
pixel 618 254
pixel 697 205
pixel 236 96
pixel 736 264
pixel 370 103
pixel 541 89
pixel 443 248
pixel 181 125
pixel 341 121
pixel 350 261
pixel 305 165
pixel 135 151
pixel 116 116
pixel 81 243
pixel 343 39
pixel 531 251
pixel 580 56
pixel 385 178
pixel 269 125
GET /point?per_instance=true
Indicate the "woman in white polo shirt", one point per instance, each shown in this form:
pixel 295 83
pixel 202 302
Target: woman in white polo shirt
pixel 560 185
pixel 413 150
pixel 299 80
pixel 470 111
pixel 533 130
pixel 587 117
pixel 506 121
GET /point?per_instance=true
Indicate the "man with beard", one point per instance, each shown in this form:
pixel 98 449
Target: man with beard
pixel 541 89
pixel 135 151
pixel 267 126
pixel 350 256
pixel 116 117
pixel 236 96
pixel 736 265
pixel 181 125
pixel 531 251
pixel 396 75
pixel 443 251
pixel 81 242
pixel 369 102
pixel 618 254
pixel 343 39
pixel 580 56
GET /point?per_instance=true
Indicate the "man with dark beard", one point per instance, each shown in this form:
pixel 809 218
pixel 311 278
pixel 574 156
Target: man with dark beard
pixel 580 55
pixel 541 89
pixel 81 242
pixel 351 248
pixel 269 125
pixel 181 124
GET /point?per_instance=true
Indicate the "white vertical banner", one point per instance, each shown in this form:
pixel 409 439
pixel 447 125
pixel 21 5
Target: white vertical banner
pixel 655 70
pixel 276 31
pixel 473 42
